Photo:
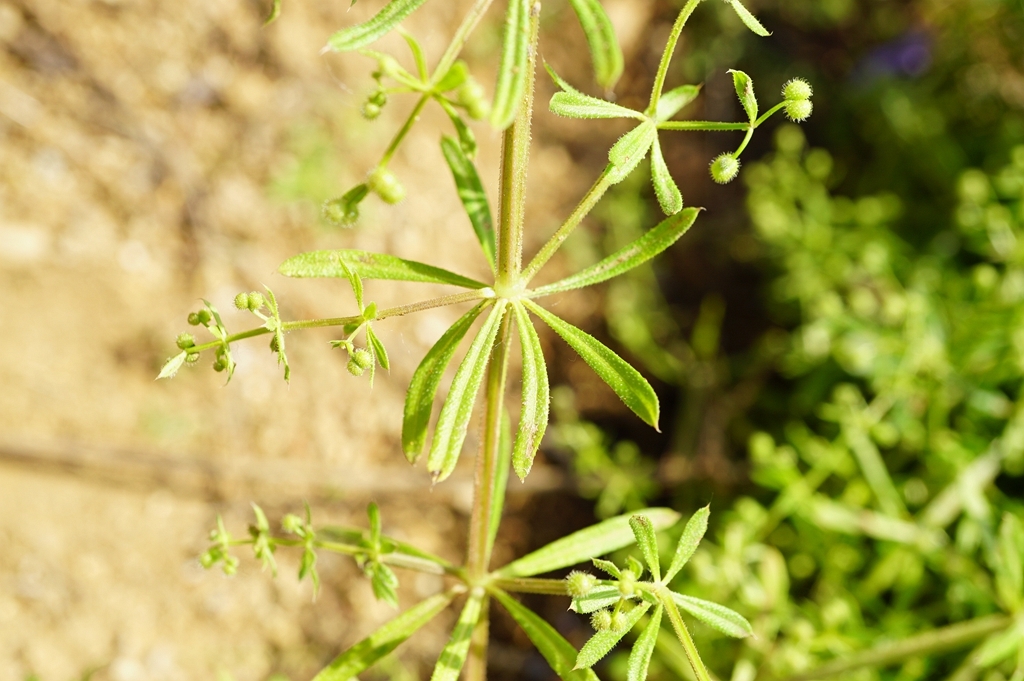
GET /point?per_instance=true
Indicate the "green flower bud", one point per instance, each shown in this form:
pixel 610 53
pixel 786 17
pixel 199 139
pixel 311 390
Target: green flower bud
pixel 220 365
pixel 291 523
pixel 384 184
pixel 627 583
pixel 725 168
pixel 379 97
pixel 370 111
pixel 797 89
pixel 354 368
pixel 601 620
pixel 274 346
pixel 193 319
pixel 192 358
pixel 185 341
pixel 242 301
pixel 255 300
pixel 230 565
pixel 203 316
pixel 472 96
pixel 363 358
pixel 579 584
pixel 208 559
pixel 798 110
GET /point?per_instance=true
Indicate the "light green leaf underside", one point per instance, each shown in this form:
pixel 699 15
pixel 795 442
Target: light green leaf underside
pixel 604 47
pixel 632 388
pixel 647 540
pixel 673 101
pixel 653 242
pixel 453 656
pixel 748 19
pixel 571 103
pixel 370 266
pixel 601 643
pixel 360 35
pixel 559 653
pixel 380 354
pixel 640 657
pixel 381 642
pixel 669 197
pixel 745 91
pixel 419 399
pixel 172 365
pixel 472 194
pixel 596 540
pixel 453 422
pixel 718 617
pixel 598 598
pixel 694 531
pixel 508 92
pixel 626 154
pixel 536 398
pixel 467 140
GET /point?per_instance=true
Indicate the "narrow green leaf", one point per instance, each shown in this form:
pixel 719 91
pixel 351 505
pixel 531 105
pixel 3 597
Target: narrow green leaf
pixel 1002 645
pixel 380 354
pixel 571 103
pixel 381 642
pixel 598 598
pixel 384 583
pixel 608 567
pixel 388 546
pixel 172 365
pixel 632 388
pixel 354 37
pixel 373 513
pixel 604 46
pixel 626 154
pixel 467 140
pixel 275 12
pixel 417 55
pixel 533 417
pixel 669 197
pixel 472 194
pixel 499 482
pixel 419 400
pixel 656 240
pixel 370 266
pixel 673 101
pixel 559 653
pixel 694 531
pixel 640 657
pixel 1010 562
pixel 453 422
pixel 596 540
pixel 508 92
pixel 455 77
pixel 601 643
pixel 745 91
pixel 749 19
pixel 453 656
pixel 647 540
pixel 718 617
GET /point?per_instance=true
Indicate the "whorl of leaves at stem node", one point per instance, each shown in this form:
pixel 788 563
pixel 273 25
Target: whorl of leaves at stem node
pixel 725 168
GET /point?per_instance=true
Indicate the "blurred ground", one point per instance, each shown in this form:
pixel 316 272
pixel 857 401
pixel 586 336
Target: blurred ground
pixel 153 153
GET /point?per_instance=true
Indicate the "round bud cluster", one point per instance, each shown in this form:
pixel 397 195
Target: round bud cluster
pixel 601 620
pixel 359 362
pixel 797 94
pixel 200 317
pixel 255 300
pixel 185 341
pixel 192 358
pixel 579 584
pixel 725 168
pixel 242 301
pixel 219 365
pixel 618 622
pixel 374 103
pixel 292 523
pixel 472 96
pixel 384 184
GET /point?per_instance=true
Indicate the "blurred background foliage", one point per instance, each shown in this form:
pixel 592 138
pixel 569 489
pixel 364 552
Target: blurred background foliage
pixel 841 346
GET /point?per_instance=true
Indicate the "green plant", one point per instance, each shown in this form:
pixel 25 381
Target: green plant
pixel 505 306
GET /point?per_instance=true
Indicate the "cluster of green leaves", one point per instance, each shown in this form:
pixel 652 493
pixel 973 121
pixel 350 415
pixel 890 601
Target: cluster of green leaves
pixel 503 308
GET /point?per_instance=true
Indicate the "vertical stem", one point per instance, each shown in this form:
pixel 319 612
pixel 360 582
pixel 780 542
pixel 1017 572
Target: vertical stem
pixel 683 634
pixel 409 122
pixel 470 21
pixel 479 552
pixel 476 663
pixel 515 156
pixel 666 56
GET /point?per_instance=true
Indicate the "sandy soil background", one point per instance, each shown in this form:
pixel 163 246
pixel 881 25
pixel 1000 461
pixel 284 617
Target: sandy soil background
pixel 153 153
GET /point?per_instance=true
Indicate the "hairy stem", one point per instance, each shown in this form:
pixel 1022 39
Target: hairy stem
pixel 683 634
pixel 666 56
pixel 476 13
pixel 441 301
pixel 479 552
pixel 515 157
pixel 946 638
pixel 701 125
pixel 529 585
pixel 587 203
pixel 476 662
pixel 404 130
